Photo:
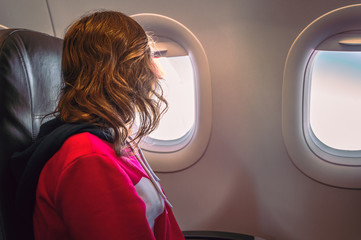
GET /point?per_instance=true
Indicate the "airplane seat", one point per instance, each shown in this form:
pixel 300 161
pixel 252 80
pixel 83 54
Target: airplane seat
pixel 30 80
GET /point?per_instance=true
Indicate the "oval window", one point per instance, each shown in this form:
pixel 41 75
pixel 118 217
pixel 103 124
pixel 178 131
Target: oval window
pixel 184 131
pixel 177 83
pixel 335 99
pixel 321 98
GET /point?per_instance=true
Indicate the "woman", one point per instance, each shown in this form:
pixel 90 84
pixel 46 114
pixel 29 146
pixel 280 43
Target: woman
pixel 96 184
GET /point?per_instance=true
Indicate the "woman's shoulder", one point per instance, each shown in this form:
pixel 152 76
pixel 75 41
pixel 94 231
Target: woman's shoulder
pixel 79 146
pixel 86 143
pixel 77 149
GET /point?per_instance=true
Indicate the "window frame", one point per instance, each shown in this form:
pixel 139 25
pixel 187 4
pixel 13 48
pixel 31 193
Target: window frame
pixel 330 166
pixel 176 155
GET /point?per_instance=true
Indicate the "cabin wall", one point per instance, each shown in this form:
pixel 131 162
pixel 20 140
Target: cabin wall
pixel 32 14
pixel 245 182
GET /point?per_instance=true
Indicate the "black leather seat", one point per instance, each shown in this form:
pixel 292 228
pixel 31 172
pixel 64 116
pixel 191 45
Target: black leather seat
pixel 30 80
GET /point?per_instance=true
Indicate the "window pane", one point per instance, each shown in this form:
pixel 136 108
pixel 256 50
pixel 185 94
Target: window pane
pixel 335 101
pixel 178 87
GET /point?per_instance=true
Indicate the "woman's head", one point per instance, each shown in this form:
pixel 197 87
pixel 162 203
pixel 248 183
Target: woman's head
pixel 109 76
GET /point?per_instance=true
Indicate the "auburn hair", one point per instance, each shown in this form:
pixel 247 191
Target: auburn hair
pixel 110 77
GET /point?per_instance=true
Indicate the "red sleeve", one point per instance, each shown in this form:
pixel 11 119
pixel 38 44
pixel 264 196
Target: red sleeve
pixel 97 200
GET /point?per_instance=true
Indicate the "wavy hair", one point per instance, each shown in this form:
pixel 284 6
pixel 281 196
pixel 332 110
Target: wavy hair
pixel 110 77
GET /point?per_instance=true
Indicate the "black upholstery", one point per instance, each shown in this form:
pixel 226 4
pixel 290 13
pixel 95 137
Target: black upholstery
pixel 30 80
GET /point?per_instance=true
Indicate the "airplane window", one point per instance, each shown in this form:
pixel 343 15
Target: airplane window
pixel 184 131
pixel 178 87
pixel 335 99
pixel 321 99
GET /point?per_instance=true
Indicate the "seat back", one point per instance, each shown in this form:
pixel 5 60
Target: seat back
pixel 30 80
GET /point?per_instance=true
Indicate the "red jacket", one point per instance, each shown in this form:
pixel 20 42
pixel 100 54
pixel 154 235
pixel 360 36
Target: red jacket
pixel 86 192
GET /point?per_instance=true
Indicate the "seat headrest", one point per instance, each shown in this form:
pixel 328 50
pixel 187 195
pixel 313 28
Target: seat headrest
pixel 30 81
